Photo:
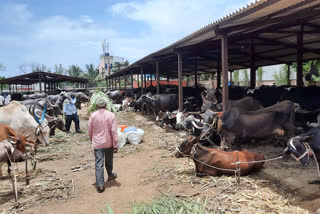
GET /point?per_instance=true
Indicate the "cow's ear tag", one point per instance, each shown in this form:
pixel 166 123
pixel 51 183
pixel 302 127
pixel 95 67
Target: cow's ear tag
pixel 219 114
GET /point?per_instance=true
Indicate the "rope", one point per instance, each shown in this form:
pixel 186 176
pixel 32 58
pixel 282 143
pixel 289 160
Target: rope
pixel 314 156
pixel 260 161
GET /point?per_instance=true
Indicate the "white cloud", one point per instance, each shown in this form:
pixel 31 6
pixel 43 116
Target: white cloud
pixel 17 14
pixel 61 39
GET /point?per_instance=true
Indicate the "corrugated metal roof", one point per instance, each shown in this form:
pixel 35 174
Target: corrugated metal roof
pixel 244 21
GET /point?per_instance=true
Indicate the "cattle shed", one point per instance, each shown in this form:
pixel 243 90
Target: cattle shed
pixel 266 32
pixel 47 81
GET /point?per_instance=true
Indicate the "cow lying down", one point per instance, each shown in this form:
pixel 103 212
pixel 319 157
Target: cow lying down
pixel 204 157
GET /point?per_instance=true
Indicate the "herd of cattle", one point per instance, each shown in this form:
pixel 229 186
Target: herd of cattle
pixel 252 115
pixel 30 122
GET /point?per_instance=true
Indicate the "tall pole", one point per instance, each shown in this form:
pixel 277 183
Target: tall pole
pixel 252 66
pixel 158 77
pixel 131 80
pixel 180 82
pixel 141 71
pixel 168 81
pixel 300 57
pixel 195 73
pixel 40 87
pixel 225 68
pixel 288 74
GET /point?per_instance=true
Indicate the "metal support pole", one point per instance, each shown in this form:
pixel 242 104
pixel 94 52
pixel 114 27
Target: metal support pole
pixel 40 87
pixel 300 57
pixel 219 76
pixel 225 68
pixel 151 80
pixel 252 66
pixel 196 74
pixel 158 77
pixel 288 74
pixel 141 71
pixel 180 82
pixel 131 80
pixel 168 80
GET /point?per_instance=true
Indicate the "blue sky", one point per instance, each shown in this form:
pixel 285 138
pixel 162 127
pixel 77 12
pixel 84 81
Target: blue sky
pixel 71 32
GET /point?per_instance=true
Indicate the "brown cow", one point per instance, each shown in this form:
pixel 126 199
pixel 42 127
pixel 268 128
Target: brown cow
pixel 6 132
pixel 204 157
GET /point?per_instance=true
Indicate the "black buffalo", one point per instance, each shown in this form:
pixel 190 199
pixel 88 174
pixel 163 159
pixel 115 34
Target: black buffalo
pixel 277 119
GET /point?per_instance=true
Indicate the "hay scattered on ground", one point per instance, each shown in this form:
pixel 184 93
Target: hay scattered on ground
pixel 50 188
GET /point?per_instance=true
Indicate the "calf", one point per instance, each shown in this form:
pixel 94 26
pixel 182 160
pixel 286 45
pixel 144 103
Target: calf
pixel 204 157
pixel 6 132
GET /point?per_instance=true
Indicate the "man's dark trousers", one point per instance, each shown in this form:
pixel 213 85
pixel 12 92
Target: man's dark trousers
pixel 75 119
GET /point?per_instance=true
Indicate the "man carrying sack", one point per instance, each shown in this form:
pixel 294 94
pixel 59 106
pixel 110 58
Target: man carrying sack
pixel 102 131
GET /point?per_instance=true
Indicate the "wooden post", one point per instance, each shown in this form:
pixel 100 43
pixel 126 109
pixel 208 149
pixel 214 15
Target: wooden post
pixel 213 74
pixel 238 170
pixel 119 79
pixel 138 79
pixel 145 80
pixel 111 83
pixel 252 66
pixel 158 77
pixel 151 80
pixel 125 81
pixel 219 75
pixel 168 80
pixel 288 74
pixel 180 82
pixel 300 57
pixel 195 73
pixel 141 70
pixel 40 87
pixel 131 80
pixel 225 68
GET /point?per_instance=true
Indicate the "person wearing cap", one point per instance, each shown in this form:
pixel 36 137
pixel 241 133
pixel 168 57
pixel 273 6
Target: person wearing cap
pixel 70 111
pixel 102 131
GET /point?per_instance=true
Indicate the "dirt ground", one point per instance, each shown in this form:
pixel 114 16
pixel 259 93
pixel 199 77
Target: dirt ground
pixel 63 180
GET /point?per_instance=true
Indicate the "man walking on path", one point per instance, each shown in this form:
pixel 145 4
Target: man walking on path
pixel 102 131
pixel 70 110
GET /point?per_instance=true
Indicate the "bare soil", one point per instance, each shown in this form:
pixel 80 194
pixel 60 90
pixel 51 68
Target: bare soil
pixel 63 180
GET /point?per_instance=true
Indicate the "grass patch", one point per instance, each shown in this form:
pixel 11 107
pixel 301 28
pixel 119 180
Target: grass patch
pixel 168 204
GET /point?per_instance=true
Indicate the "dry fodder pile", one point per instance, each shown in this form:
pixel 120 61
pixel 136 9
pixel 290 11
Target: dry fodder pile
pixel 48 187
pixel 223 194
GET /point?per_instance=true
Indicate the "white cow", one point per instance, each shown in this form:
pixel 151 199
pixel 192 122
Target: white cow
pixel 1 100
pixel 17 116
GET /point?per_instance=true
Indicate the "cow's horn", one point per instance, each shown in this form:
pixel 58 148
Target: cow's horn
pixel 195 125
pixel 291 143
pixel 28 135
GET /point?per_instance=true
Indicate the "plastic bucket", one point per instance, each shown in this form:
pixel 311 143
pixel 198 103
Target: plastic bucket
pixel 123 127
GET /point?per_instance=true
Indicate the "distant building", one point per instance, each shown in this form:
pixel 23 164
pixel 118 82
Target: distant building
pixel 107 62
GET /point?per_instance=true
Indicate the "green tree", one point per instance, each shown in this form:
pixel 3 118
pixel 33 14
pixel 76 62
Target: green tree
pixel 74 71
pixel 58 69
pixel 281 76
pixel 235 77
pixel 245 77
pixel 260 75
pixel 91 74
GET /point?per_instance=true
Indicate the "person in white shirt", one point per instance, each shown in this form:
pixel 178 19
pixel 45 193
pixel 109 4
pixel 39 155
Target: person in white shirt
pixel 70 112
